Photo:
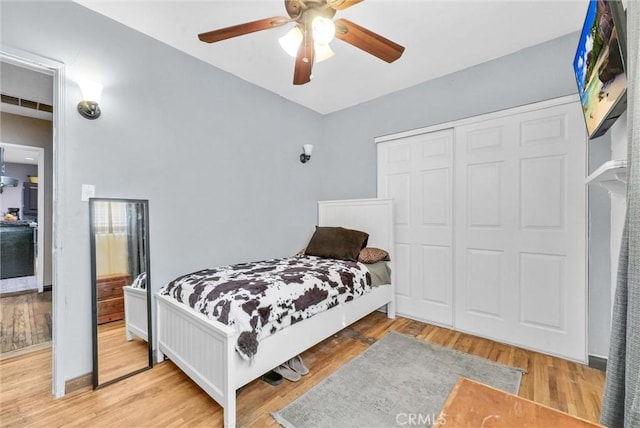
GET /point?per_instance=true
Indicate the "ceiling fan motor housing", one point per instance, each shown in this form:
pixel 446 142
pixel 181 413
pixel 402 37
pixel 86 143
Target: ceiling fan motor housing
pixel 335 3
pixel 297 8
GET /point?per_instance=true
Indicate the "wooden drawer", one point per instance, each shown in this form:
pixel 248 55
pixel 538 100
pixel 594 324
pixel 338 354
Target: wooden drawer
pixel 110 286
pixel 110 296
pixel 110 310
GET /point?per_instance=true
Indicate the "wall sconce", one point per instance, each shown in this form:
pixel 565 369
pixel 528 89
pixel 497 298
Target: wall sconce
pixel 89 107
pixel 306 153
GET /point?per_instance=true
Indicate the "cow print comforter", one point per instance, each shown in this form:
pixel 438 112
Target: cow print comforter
pixel 261 298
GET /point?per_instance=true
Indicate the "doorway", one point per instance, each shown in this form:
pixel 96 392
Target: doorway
pixel 55 71
pixel 23 215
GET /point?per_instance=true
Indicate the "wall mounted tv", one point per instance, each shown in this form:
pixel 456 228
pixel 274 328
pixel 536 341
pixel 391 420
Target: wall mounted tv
pixel 599 65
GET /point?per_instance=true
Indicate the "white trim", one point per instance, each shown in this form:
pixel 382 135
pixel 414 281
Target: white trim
pixel 41 214
pixel 482 117
pixel 57 70
pixel 612 175
pixel 25 111
pixel 42 222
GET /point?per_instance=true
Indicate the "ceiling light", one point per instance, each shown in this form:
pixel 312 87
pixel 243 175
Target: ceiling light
pixel 323 30
pixel 323 52
pixel 307 149
pixel 89 107
pixel 29 158
pixel 290 43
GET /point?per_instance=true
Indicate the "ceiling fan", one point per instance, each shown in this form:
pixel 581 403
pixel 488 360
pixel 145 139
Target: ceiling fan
pixel 309 40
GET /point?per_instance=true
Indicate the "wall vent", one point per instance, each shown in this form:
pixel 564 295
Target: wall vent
pixel 8 99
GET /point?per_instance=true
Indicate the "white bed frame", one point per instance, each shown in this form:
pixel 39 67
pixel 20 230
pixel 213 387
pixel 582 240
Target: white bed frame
pixel 205 349
pixel 135 312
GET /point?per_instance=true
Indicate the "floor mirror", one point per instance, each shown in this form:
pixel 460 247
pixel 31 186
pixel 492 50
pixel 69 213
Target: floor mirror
pixel 120 288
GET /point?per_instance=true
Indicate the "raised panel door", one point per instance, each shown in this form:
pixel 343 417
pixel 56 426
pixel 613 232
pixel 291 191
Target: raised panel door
pixel 417 173
pixel 520 230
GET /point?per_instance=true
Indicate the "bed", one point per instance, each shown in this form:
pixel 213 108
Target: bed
pixel 205 349
pixel 135 312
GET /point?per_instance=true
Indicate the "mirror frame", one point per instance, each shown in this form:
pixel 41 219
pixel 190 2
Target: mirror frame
pixel 94 300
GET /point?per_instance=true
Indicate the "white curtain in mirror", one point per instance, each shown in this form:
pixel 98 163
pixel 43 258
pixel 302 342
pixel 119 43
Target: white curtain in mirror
pixel 111 238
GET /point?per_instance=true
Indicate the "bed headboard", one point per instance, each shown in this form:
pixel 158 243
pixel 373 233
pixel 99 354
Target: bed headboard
pixel 374 216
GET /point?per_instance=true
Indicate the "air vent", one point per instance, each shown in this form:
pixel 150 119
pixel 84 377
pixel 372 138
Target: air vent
pixel 8 99
pixel 29 104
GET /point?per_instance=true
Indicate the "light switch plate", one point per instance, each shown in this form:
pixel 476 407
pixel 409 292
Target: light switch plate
pixel 88 191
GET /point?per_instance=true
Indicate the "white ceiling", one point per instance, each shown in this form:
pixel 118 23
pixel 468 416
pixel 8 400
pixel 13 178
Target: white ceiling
pixel 440 37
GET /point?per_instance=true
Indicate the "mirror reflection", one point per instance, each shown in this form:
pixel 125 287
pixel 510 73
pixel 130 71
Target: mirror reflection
pixel 121 291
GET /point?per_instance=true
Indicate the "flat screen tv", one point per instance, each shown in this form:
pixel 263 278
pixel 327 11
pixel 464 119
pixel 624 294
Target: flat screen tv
pixel 599 65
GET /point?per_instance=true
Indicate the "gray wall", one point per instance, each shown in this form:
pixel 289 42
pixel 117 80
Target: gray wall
pixel 27 84
pixel 193 139
pixel 533 74
pixel 32 132
pixel 599 252
pixel 216 157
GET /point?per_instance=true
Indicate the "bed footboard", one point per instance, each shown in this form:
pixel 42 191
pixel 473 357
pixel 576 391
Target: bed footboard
pixel 135 312
pixel 202 348
pixel 205 349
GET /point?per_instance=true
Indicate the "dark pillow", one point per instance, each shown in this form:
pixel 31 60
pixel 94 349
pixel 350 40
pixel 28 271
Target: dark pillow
pixel 371 255
pixel 337 243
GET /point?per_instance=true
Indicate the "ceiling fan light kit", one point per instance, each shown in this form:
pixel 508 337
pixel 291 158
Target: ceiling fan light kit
pixel 309 40
pixel 323 30
pixel 290 43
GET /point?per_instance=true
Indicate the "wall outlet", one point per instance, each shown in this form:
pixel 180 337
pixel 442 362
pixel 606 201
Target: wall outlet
pixel 88 191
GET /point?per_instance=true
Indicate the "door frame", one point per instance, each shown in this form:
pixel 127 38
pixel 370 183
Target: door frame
pixel 507 111
pixel 41 219
pixel 56 69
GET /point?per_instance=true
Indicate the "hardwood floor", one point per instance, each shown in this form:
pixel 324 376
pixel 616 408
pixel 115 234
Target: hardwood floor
pixel 165 397
pixel 18 285
pixel 116 355
pixel 25 320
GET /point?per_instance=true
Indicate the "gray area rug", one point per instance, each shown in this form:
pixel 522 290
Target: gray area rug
pixel 397 377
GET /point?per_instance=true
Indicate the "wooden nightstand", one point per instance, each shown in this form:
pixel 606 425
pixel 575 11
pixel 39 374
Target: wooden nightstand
pixel 110 297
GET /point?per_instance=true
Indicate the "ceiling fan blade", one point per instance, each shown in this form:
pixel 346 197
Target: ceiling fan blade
pixel 242 29
pixel 304 60
pixel 342 4
pixel 368 41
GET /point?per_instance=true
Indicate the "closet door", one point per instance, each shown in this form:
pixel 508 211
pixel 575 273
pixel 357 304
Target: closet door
pixel 520 230
pixel 417 173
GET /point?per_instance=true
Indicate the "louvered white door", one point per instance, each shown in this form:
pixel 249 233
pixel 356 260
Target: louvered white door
pixel 417 173
pixel 520 230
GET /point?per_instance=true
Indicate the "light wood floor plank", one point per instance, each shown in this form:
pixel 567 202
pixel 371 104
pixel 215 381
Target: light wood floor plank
pixel 165 397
